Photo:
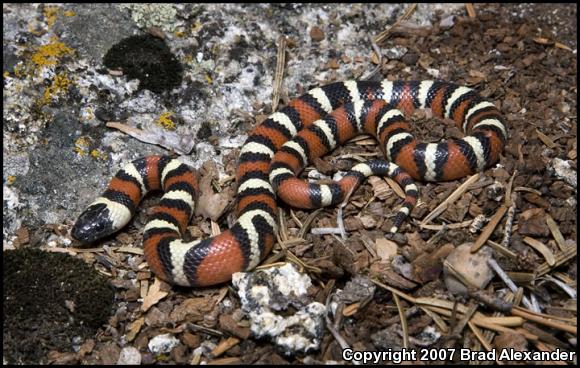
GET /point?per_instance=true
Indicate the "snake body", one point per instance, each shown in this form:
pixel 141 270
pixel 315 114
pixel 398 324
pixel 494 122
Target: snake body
pixel 276 151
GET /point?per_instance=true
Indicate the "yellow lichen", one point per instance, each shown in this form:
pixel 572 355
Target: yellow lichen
pixel 208 79
pixel 82 145
pixel 50 15
pixel 51 53
pixel 69 13
pixel 98 154
pixel 165 121
pixel 188 59
pixel 196 26
pixel 10 179
pixel 59 87
pixel 20 70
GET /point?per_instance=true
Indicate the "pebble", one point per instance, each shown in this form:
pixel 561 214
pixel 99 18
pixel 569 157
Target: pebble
pixel 564 171
pixel 395 53
pixel 472 266
pixel 316 34
pixel 386 249
pixel 163 343
pixel 129 356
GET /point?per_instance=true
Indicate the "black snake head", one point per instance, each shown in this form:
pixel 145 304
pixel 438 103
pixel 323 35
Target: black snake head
pixel 93 224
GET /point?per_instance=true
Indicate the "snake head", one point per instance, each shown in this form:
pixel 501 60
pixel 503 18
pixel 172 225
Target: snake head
pixel 93 224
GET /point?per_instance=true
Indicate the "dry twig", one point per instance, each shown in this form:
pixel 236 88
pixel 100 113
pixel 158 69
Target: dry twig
pixel 449 200
pixel 384 34
pixel 279 74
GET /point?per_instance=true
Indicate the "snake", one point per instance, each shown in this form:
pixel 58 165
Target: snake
pixel 275 153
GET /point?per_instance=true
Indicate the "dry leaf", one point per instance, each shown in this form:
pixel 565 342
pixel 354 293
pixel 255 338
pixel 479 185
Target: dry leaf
pixel 134 329
pixel 155 294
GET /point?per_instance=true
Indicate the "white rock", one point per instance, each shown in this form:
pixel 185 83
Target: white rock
pixel 162 343
pixel 264 293
pixel 396 52
pixel 129 356
pixel 564 171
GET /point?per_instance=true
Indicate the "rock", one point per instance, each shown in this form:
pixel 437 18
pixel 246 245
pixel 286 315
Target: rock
pixel 563 170
pixel 386 249
pixel 263 293
pixel 402 267
pixel 358 289
pixel 316 34
pixel 395 53
pixel 472 266
pixel 398 238
pixel 495 191
pixel 129 356
pixel 427 337
pixel 447 22
pixel 162 344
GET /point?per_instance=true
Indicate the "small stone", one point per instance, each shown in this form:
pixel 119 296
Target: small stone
pixel 386 249
pixel 410 59
pixel 129 356
pixel 402 267
pixel 369 222
pixel 564 108
pixel 398 238
pixel 564 171
pixel 316 34
pixel 395 53
pixel 162 343
pixel 472 266
pixel 447 22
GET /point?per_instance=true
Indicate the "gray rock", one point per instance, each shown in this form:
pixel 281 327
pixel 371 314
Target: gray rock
pixel 95 28
pixel 472 266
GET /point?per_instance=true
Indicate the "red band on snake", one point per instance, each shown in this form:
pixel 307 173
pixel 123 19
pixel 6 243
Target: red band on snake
pixel 276 151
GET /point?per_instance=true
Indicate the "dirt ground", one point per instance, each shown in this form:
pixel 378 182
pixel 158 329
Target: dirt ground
pixel 382 294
